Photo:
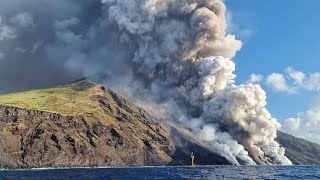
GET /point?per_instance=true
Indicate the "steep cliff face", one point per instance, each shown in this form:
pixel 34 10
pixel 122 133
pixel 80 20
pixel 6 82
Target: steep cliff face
pixel 122 134
pixel 299 151
pixel 84 124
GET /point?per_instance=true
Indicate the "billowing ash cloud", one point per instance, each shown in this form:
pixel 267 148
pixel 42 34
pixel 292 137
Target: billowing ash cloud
pixel 181 51
pixel 42 43
pixel 172 53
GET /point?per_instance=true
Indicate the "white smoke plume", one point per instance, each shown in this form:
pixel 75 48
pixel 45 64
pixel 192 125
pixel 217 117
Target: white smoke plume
pixel 173 53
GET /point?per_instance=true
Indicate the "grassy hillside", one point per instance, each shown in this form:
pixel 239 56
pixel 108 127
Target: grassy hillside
pixel 79 98
pixel 85 98
pixel 93 108
pixel 71 99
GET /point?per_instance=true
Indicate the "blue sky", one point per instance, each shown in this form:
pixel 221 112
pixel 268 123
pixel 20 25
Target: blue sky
pixel 278 34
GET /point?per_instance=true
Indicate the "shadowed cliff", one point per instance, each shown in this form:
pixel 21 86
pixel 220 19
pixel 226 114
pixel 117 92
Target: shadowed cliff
pixel 299 151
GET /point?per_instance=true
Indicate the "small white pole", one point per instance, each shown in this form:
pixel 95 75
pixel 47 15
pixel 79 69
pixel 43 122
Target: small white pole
pixel 192 159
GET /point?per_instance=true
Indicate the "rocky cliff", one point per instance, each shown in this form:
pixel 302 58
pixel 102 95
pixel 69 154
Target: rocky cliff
pixel 84 124
pixel 123 135
pixel 299 151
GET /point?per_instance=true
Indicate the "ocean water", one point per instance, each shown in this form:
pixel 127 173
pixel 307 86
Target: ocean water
pixel 174 173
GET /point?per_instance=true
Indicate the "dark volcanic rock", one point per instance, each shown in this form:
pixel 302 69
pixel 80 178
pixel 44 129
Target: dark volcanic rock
pixel 104 129
pixel 185 145
pixel 32 138
pixel 299 151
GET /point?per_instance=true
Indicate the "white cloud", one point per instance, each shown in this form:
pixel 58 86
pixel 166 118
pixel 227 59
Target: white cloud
pixel 297 76
pixel 291 81
pixel 291 124
pixel 36 47
pixel 32 50
pixel 255 78
pixel 21 50
pixel 23 19
pixel 313 82
pixel 6 32
pixel 306 125
pixel 279 83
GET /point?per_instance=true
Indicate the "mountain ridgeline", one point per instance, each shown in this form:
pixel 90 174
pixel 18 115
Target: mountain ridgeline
pixel 84 124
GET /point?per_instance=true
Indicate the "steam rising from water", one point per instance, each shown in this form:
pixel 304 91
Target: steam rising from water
pixel 173 53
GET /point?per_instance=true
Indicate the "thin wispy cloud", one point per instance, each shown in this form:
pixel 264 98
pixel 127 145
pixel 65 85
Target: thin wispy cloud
pixel 6 32
pixel 234 27
pixel 255 79
pixel 23 20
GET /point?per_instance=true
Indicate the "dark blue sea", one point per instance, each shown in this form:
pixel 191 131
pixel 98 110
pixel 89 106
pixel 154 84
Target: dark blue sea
pixel 174 173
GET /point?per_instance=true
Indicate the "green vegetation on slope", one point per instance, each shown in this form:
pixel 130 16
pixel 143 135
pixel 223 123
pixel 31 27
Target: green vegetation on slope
pixel 71 99
pixel 96 105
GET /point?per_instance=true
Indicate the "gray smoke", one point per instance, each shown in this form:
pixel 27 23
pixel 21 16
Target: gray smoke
pixel 45 43
pixel 181 52
pixel 174 54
